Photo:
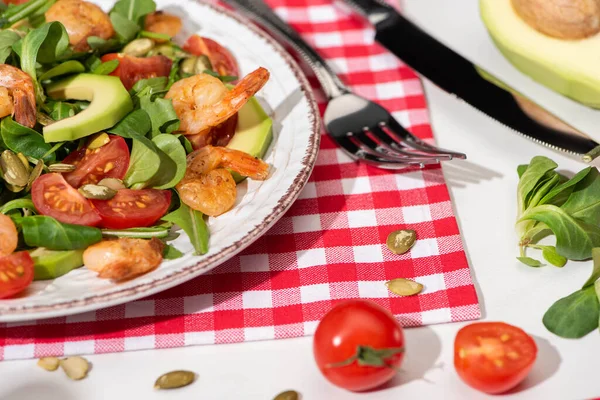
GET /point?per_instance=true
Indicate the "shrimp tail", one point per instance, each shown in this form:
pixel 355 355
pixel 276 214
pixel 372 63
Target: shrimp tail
pixel 25 111
pixel 239 95
pixel 246 165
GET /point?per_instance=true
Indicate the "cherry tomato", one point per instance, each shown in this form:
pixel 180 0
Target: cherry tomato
pixel 132 69
pixel 358 345
pixel 16 273
pixel 133 208
pixel 493 357
pixel 221 59
pixel 108 161
pixel 16 2
pixel 54 197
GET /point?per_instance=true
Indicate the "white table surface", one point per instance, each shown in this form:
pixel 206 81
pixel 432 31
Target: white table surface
pixel 483 190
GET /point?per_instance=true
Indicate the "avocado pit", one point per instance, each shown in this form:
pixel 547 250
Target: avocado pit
pixel 561 19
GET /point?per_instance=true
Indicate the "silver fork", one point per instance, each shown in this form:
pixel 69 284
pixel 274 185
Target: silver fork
pixel 363 129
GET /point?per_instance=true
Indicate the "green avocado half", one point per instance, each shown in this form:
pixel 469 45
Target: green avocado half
pixel 569 67
pixel 109 103
pixel 51 264
pixel 254 132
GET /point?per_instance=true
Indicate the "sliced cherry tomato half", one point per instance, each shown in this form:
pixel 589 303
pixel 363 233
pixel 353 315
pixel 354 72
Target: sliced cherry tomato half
pixel 358 345
pixel 54 197
pixel 493 357
pixel 221 59
pixel 132 69
pixel 16 273
pixel 133 208
pixel 108 161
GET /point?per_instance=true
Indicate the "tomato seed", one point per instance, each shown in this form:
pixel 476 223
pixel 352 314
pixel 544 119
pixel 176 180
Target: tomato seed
pixel 3 277
pixel 47 195
pixel 505 337
pixel 11 275
pixel 20 270
pixel 499 363
pixel 109 167
pixel 462 353
pixel 513 355
pixel 140 204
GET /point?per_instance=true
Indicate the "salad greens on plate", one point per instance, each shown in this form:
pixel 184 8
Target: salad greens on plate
pixel 113 136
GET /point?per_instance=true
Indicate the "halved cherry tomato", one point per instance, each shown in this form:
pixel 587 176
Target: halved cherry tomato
pixel 221 59
pixel 358 345
pixel 108 161
pixel 132 69
pixel 54 197
pixel 493 357
pixel 133 208
pixel 16 273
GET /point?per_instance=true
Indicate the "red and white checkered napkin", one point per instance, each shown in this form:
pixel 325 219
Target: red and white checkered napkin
pixel 330 246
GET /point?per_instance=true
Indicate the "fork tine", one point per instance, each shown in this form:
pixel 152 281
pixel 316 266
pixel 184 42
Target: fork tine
pixel 378 149
pixel 397 131
pixel 356 153
pixel 369 147
pixel 391 146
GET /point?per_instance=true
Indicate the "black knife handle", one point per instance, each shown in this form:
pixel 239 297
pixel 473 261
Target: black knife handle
pixel 375 10
pixel 259 11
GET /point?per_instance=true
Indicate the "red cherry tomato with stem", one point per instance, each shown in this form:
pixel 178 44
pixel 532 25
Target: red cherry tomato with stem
pixel 358 345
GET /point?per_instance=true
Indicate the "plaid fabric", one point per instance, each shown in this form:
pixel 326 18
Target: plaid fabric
pixel 329 247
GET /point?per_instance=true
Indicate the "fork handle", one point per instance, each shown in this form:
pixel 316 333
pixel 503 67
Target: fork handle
pixel 259 11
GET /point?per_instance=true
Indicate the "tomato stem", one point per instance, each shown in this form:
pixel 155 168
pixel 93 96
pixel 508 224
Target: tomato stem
pixel 368 356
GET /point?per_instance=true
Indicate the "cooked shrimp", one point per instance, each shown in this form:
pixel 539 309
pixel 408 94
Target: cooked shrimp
pixel 161 22
pixel 81 20
pixel 17 95
pixel 124 258
pixel 203 102
pixel 210 188
pixel 9 237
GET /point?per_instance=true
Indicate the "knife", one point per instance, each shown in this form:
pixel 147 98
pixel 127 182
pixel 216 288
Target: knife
pixel 457 75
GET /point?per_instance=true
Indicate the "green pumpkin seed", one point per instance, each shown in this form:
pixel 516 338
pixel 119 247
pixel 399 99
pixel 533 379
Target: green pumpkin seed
pixel 112 183
pixel 202 64
pixel 168 51
pixel 400 242
pixel 60 168
pixel 98 140
pixel 287 395
pixel 187 65
pixel 76 368
pixel 25 161
pixel 404 287
pixel 37 171
pixel 175 380
pixel 15 188
pixel 97 192
pixel 139 47
pixel 44 119
pixel 13 170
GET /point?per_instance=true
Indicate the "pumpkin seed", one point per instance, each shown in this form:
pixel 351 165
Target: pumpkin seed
pixel 175 380
pixel 76 368
pixel 97 192
pixel 13 170
pixel 98 140
pixel 25 161
pixel 139 47
pixel 404 287
pixel 61 168
pixel 287 395
pixel 37 171
pixel 44 119
pixel 168 51
pixel 15 188
pixel 112 183
pixel 49 363
pixel 187 65
pixel 400 242
pixel 202 64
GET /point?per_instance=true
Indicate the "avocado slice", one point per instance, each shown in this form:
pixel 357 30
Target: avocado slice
pixel 50 264
pixel 569 67
pixel 109 103
pixel 254 132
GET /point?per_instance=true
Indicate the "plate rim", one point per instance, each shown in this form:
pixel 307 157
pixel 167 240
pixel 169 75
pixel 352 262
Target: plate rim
pixel 101 301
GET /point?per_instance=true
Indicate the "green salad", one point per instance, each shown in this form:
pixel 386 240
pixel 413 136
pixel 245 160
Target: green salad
pixel 115 132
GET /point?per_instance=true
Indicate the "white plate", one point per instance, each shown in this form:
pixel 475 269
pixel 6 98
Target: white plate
pixel 288 99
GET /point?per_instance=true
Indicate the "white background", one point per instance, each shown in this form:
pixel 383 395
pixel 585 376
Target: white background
pixel 483 190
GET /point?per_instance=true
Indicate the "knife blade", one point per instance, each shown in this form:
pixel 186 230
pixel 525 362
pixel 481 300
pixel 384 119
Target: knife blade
pixel 456 75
